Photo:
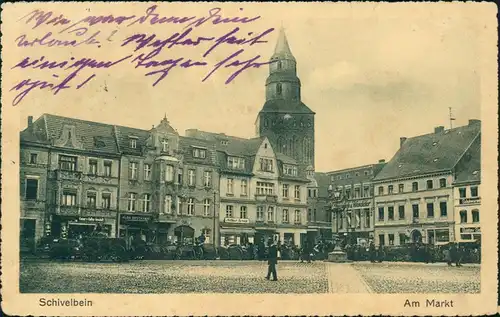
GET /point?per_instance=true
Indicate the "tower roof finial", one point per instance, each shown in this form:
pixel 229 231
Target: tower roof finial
pixel 282 49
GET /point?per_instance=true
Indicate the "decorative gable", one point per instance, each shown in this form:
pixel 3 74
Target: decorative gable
pixel 68 138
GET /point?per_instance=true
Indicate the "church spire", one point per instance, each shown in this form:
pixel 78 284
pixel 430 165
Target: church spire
pixel 282 49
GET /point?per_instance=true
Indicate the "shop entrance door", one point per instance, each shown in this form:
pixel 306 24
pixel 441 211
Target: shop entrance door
pixel 27 234
pixel 184 234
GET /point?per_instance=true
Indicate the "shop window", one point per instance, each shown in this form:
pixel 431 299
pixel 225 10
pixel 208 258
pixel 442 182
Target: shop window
pixel 31 189
pixel 442 235
pixel 475 215
pixel 443 207
pixel 402 238
pixel 381 239
pixel 208 235
pixel 391 238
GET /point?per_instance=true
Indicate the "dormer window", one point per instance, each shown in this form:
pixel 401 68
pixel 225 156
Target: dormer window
pixel 234 162
pixel 133 142
pixel 223 142
pixel 199 153
pixel 290 170
pixel 164 145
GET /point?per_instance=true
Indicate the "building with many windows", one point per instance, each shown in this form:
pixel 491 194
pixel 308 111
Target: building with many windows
pixel 467 198
pixel 414 192
pixel 354 209
pixel 262 193
pixel 151 184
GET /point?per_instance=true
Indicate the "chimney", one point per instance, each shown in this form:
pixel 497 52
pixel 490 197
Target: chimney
pixel 381 161
pixel 474 121
pixel 30 124
pixel 439 129
pixel 402 140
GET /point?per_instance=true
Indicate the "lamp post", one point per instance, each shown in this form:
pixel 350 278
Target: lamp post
pixel 337 206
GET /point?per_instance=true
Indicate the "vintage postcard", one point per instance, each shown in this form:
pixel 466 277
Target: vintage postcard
pixel 249 158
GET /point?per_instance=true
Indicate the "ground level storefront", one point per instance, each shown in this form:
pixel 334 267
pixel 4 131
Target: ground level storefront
pixel 433 233
pixel 155 230
pixel 73 227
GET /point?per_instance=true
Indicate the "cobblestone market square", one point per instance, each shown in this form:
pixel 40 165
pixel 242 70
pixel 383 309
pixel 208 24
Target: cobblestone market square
pixel 148 277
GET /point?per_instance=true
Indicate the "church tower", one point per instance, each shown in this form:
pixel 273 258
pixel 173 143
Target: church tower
pixel 285 119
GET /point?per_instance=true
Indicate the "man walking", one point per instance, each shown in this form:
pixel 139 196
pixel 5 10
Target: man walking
pixel 272 260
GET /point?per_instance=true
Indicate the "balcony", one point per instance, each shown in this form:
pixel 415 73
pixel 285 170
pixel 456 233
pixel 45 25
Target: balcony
pixel 266 198
pixel 67 210
pixel 76 176
pixel 322 224
pixel 83 211
pixel 68 175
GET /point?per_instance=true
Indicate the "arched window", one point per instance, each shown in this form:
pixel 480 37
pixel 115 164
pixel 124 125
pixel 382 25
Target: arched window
pixel 278 89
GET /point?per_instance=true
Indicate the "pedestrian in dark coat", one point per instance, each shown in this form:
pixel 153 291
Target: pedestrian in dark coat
pixel 373 252
pixel 272 260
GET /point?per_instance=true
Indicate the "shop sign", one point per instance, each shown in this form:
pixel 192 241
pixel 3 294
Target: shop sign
pixel 91 219
pixel 470 230
pixel 134 218
pixel 364 203
pixel 236 220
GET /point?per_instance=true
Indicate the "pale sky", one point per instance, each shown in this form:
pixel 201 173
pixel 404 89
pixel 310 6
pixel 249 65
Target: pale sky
pixel 371 72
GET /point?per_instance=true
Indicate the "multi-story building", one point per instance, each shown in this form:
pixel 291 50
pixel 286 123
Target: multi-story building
pixel 353 208
pixel 319 213
pixel 69 175
pixel 262 193
pixel 414 198
pixel 153 184
pixel 467 198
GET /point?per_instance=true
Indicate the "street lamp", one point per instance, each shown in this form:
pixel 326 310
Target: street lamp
pixel 337 206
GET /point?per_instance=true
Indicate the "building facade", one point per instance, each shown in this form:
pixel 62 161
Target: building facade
pixel 262 193
pixel 353 210
pixel 414 195
pixel 78 175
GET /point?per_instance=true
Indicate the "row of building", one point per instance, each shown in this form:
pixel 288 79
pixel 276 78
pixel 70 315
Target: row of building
pixel 160 186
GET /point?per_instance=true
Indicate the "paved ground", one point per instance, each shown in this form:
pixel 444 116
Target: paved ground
pixel 244 277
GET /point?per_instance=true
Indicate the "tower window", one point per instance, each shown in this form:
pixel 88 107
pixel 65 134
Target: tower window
pixel 279 65
pixel 278 89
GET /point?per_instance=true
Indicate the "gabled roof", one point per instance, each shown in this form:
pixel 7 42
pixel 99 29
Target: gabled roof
pixel 94 136
pixel 430 152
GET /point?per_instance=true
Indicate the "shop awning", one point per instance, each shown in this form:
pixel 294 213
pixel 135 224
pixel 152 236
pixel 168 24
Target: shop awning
pixel 236 230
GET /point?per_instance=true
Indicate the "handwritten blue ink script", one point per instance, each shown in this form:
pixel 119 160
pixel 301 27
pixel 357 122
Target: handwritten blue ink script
pixel 151 53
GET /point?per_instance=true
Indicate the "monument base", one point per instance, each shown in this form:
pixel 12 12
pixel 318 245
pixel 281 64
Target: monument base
pixel 338 256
